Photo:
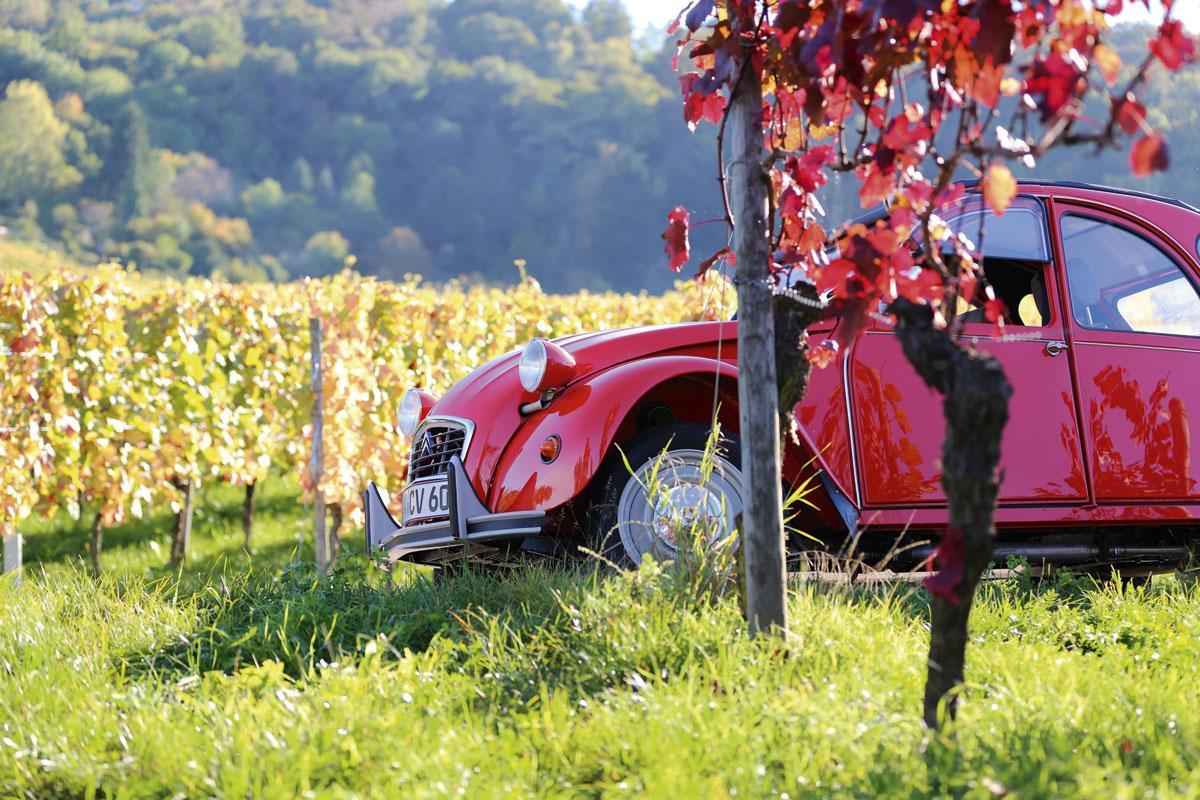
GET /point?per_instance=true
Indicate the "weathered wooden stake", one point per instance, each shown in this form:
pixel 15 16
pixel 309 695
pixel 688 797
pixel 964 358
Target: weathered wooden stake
pixel 12 554
pixel 248 515
pixel 758 401
pixel 320 535
pixel 182 534
pixel 97 542
pixel 335 533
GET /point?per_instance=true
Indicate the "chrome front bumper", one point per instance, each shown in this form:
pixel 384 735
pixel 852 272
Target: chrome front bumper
pixel 470 522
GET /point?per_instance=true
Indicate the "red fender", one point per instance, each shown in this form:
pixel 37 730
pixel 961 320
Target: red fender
pixel 587 418
pixel 596 412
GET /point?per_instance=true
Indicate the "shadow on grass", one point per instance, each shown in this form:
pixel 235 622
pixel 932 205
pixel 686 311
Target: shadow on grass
pixel 63 540
pixel 303 621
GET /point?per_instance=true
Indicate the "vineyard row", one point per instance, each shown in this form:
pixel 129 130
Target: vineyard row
pixel 119 393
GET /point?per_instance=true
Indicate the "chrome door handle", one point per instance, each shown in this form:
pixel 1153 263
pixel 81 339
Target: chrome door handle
pixel 1056 348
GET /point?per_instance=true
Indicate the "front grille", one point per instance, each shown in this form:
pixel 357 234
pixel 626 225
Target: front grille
pixel 435 444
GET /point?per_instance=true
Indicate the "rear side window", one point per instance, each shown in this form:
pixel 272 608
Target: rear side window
pixel 1119 281
pixel 1019 234
pixel 1015 252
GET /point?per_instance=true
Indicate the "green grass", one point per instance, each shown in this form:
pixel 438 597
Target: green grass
pixel 250 677
pixel 32 258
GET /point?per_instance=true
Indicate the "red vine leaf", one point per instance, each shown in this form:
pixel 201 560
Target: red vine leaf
pixel 950 559
pixel 1173 46
pixel 1149 154
pixel 1057 80
pixel 701 101
pixel 1130 115
pixel 23 343
pixel 678 248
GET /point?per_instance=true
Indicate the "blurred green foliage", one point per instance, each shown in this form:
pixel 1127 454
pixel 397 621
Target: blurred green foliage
pixel 275 138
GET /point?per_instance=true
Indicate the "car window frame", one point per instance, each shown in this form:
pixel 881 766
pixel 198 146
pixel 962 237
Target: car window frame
pixel 1136 228
pixel 1049 327
pixel 1047 250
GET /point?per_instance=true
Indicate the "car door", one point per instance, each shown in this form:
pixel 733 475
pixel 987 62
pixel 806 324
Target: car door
pixel 898 422
pixel 1134 317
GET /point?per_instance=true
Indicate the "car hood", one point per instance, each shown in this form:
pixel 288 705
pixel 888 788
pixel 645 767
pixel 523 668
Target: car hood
pixel 593 352
pixel 492 394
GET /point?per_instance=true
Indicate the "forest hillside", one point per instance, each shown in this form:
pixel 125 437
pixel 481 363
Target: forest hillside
pixel 279 138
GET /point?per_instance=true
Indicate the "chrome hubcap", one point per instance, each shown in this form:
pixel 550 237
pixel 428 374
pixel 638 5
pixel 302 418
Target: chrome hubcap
pixel 670 500
pixel 686 507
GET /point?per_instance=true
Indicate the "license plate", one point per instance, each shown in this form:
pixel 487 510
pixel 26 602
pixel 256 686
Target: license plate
pixel 426 500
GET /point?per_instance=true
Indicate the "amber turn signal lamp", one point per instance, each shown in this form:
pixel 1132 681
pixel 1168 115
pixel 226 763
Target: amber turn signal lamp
pixel 551 448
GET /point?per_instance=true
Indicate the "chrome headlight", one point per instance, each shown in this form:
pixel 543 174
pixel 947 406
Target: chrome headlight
pixel 414 406
pixel 544 365
pixel 532 366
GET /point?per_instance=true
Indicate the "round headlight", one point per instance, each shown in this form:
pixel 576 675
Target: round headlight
pixel 413 407
pixel 544 365
pixel 532 367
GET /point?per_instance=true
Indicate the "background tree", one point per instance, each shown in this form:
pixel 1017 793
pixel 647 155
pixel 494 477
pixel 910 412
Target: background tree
pixel 906 96
pixel 33 143
pixel 131 164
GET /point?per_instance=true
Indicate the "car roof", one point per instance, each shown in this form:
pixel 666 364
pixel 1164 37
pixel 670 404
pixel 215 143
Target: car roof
pixel 1176 219
pixel 1173 218
pixel 1072 187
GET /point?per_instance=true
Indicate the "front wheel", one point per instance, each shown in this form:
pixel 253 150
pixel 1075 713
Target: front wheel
pixel 664 491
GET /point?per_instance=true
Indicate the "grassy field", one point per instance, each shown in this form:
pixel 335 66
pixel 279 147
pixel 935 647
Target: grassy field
pixel 31 258
pixel 247 676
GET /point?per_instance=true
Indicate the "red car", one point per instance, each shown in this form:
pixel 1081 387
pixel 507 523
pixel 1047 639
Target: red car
pixel 548 448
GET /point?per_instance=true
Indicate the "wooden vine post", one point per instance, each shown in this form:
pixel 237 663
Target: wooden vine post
pixel 10 539
pixel 248 515
pixel 320 533
pixel 758 401
pixel 182 532
pixel 12 552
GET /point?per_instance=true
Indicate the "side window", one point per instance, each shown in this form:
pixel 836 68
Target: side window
pixel 1016 253
pixel 1019 234
pixel 1121 282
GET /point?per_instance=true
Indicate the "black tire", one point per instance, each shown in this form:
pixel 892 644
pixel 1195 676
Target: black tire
pixel 601 521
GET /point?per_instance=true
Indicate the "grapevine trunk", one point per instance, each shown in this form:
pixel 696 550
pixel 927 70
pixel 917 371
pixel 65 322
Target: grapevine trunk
pixel 975 394
pixel 792 318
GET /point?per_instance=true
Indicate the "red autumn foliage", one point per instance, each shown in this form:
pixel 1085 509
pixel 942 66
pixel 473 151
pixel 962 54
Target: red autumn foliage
pixel 678 247
pixel 900 93
pixel 1173 46
pixel 23 343
pixel 1130 114
pixel 950 560
pixel 1149 154
pixel 700 105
